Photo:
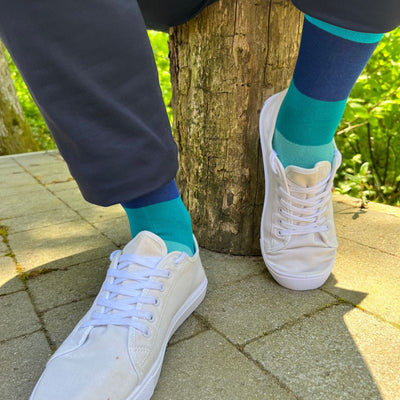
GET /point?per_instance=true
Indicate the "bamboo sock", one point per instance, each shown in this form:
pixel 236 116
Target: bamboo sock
pixel 163 213
pixel 329 62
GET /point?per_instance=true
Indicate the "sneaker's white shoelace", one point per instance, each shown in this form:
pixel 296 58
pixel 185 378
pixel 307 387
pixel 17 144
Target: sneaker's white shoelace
pixel 300 216
pixel 124 292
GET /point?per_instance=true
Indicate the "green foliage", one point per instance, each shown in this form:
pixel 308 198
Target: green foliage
pixel 159 43
pixel 369 134
pixel 40 131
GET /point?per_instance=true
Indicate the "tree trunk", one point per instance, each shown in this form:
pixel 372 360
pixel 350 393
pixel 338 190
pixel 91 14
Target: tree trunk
pixel 15 133
pixel 224 64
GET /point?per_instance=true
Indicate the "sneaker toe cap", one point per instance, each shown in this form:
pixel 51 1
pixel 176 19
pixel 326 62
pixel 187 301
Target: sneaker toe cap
pixel 88 374
pixel 301 269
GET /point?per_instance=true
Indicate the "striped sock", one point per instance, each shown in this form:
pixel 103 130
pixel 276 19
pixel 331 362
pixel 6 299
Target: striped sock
pixel 163 213
pixel 329 62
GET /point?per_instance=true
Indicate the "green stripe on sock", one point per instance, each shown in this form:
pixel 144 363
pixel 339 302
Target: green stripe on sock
pixel 303 118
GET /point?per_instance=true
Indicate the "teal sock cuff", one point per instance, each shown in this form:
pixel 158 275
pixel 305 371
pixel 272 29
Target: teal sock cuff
pixel 354 36
pixel 169 220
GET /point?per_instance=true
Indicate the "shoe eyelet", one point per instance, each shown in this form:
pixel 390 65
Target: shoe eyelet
pixel 156 302
pixel 147 333
pixel 162 288
pixel 152 318
pixel 169 275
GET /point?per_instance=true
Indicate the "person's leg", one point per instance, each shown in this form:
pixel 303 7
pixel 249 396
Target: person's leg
pixel 91 71
pixel 160 16
pixel 298 238
pixel 329 62
pixel 90 68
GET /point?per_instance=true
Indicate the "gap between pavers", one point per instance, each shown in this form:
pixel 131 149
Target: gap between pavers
pixel 68 285
pixel 255 306
pixel 371 228
pixel 367 277
pixel 207 367
pixel 38 201
pixel 58 246
pixel 50 173
pixel 69 185
pixel 338 353
pixel 224 269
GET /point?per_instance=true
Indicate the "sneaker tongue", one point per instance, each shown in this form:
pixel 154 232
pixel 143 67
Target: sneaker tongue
pixel 146 244
pixel 304 177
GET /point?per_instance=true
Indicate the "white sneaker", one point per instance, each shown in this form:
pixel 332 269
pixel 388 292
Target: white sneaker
pixel 298 239
pixel 116 350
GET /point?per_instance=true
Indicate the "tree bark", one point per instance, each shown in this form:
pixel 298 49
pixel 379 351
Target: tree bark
pixel 224 64
pixel 15 133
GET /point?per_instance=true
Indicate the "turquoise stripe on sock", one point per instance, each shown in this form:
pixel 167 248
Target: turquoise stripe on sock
pixel 290 153
pixel 169 220
pixel 360 37
pixel 306 121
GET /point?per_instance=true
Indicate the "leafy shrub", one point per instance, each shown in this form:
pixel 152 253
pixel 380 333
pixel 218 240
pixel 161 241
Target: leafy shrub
pixel 369 134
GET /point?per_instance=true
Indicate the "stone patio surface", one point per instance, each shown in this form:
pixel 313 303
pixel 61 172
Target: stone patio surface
pixel 250 338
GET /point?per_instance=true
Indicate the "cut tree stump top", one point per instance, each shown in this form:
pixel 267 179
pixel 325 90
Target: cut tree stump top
pixel 250 339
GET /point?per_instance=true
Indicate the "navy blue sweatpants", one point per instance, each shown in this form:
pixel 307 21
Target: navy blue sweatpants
pixel 91 71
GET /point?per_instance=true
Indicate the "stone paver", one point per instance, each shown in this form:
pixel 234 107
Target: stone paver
pixel 223 269
pixel 250 339
pixel 367 277
pixel 59 245
pixel 19 190
pixel 60 321
pixel 16 206
pixel 116 229
pixel 98 214
pixel 36 159
pixel 17 316
pixel 56 187
pixel 370 228
pixel 378 343
pixel 51 173
pixel 3 247
pixel 74 199
pixel 9 281
pixel 331 355
pixel 22 361
pixel 254 306
pixel 40 219
pixel 208 367
pixel 71 284
pixel 19 178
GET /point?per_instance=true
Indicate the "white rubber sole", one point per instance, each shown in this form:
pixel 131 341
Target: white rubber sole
pixel 269 112
pixel 298 282
pixel 145 390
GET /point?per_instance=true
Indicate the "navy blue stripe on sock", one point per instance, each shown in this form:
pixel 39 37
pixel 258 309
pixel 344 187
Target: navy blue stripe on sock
pixel 164 193
pixel 328 65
